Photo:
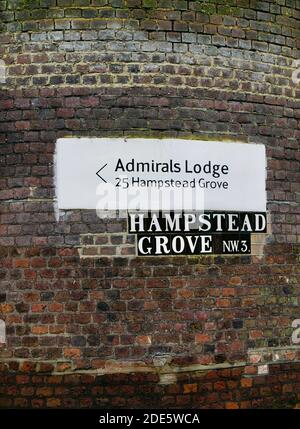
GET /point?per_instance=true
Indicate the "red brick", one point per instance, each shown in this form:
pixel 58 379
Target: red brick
pixel 202 338
pixel 190 388
pixel 246 382
pixel 231 405
pixel 72 352
pixel 39 330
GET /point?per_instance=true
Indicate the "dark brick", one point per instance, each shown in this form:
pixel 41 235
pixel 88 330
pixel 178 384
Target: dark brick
pixel 102 306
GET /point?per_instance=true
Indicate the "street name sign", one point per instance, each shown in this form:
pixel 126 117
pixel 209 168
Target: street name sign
pixel 154 174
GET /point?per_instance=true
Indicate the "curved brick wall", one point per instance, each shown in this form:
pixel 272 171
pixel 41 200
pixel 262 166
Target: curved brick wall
pixel 73 295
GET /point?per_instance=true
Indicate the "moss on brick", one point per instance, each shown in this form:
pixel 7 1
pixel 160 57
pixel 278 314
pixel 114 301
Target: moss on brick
pixel 221 7
pixel 150 4
pixel 22 4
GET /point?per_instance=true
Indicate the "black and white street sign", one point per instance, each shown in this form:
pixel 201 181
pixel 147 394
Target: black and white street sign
pixel 184 233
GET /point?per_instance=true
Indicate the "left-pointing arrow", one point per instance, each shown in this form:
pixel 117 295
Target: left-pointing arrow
pixel 99 174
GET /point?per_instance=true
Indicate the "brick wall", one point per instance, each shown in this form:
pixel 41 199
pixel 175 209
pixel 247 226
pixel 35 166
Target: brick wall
pixel 30 385
pixel 207 70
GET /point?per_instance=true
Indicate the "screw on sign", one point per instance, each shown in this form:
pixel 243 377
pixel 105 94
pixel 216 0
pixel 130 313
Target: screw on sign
pixel 296 73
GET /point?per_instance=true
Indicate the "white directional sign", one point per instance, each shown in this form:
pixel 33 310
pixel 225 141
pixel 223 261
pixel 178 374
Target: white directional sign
pixel 152 174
